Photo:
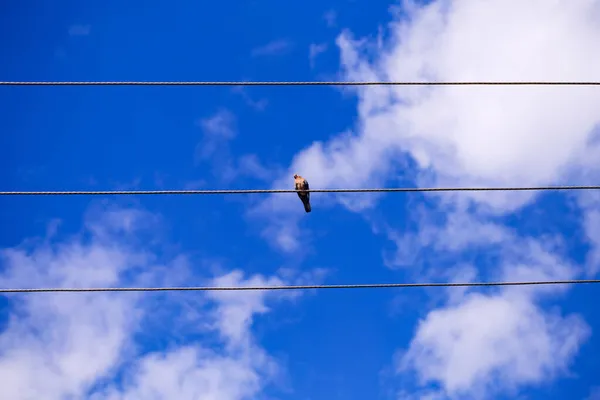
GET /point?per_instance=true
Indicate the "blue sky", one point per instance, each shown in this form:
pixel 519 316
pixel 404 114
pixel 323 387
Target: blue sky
pixel 526 343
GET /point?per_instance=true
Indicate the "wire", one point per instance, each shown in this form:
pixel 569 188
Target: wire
pixel 273 83
pixel 258 191
pixel 300 287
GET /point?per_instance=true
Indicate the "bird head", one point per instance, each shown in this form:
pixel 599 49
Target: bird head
pixel 295 176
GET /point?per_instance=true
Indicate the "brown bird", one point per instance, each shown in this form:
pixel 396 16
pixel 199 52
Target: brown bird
pixel 302 184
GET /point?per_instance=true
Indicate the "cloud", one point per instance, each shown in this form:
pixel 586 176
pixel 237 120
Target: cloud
pixel 190 373
pixel 80 30
pixel 459 231
pixel 330 18
pixel 483 135
pixel 594 394
pixel 234 313
pixel 469 136
pixel 275 47
pixel 237 371
pixel 590 204
pixel 258 105
pixel 592 229
pixel 57 346
pixel 250 165
pixel 491 342
pixel 314 50
pixel 476 345
pixel 53 346
pixel 219 130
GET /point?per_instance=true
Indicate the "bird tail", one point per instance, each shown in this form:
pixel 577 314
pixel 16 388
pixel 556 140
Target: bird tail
pixel 307 207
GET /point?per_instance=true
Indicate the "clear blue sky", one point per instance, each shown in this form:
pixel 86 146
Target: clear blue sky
pixel 526 343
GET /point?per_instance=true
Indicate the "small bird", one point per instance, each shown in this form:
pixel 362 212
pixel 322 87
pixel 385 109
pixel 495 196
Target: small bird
pixel 302 184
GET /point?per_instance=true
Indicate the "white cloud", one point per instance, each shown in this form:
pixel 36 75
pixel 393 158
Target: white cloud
pixel 237 371
pixel 190 373
pixel 57 345
pixel 470 136
pixel 479 344
pixel 492 342
pixel 235 310
pixel 460 231
pixel 484 135
pixel 70 345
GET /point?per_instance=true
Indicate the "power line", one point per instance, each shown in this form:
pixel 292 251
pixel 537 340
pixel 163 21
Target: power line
pixel 260 191
pixel 291 83
pixel 300 287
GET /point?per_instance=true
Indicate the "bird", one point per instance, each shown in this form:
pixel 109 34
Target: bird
pixel 302 184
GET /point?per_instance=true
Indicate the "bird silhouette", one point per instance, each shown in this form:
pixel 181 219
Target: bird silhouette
pixel 302 184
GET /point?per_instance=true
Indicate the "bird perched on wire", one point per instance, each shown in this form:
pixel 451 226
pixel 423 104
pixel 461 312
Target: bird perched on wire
pixel 302 184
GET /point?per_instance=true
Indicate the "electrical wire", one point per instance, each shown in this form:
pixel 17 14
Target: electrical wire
pixel 300 287
pixel 291 83
pixel 261 191
pixel 256 191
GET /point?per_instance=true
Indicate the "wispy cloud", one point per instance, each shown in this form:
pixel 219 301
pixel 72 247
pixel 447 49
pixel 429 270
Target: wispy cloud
pixel 590 204
pixel 330 18
pixel 458 346
pixel 427 123
pixel 258 105
pixel 537 345
pixel 492 136
pixel 314 50
pixel 217 130
pixel 56 348
pixel 276 47
pixel 214 148
pixel 594 394
pixel 251 165
pixel 80 30
pixel 69 344
pixel 219 126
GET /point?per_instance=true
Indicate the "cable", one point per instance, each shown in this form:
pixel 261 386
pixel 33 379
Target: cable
pixel 300 287
pixel 273 83
pixel 257 191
